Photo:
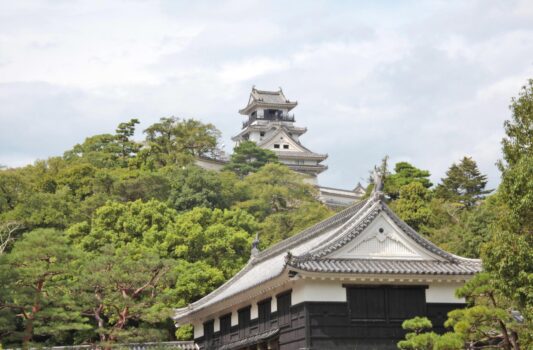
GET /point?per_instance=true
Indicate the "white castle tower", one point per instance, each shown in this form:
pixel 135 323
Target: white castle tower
pixel 271 127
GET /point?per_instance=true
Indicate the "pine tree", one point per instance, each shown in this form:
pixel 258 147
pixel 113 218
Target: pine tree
pixel 463 183
pixel 247 158
pixel 34 286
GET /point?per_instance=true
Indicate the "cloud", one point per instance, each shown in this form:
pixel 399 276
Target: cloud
pixel 423 82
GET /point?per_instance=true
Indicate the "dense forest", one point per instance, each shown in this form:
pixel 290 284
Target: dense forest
pixel 100 244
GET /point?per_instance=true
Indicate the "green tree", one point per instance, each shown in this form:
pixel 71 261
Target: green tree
pixel 487 321
pixel 405 174
pixel 413 205
pixel 500 314
pixel 107 150
pixel 143 185
pixel 247 158
pixel 13 188
pixel 35 285
pixel 518 142
pixel 119 224
pixel 463 183
pixel 462 232
pixel 420 338
pixel 121 291
pixel 172 141
pixel 279 197
pixel 128 147
pixel 508 255
pixel 275 188
pixel 195 187
pixel 40 209
pixel 101 151
pixel 191 281
pixel 8 232
pixel 220 238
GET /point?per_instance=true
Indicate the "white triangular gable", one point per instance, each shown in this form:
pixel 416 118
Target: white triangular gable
pixel 383 239
pixel 281 138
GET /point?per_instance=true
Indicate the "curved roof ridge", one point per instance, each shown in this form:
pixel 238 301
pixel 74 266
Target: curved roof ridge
pixel 349 230
pixel 309 232
pixel 362 219
pixel 418 238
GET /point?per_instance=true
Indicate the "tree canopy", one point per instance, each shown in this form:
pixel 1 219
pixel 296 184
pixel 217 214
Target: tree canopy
pixel 247 158
pixel 117 232
pixel 463 183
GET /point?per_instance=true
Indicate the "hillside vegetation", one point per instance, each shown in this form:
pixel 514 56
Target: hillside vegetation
pixel 100 245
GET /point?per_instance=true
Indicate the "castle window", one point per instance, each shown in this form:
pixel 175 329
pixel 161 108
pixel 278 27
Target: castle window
pixel 284 308
pixel 209 329
pixel 244 321
pixel 264 309
pixel 262 133
pixel 225 326
pixel 285 146
pixel 276 145
pixel 385 303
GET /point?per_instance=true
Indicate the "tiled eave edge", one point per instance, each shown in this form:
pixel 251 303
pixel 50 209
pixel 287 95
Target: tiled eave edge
pixel 269 287
pixel 254 104
pixel 380 278
pixel 299 155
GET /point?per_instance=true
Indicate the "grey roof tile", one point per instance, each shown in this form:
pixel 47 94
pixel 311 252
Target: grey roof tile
pixel 376 266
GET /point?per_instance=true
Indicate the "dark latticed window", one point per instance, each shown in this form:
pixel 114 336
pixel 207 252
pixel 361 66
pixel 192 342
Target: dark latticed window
pixel 244 321
pixel 225 327
pixel 284 308
pixel 264 310
pixel 385 303
pixel 209 331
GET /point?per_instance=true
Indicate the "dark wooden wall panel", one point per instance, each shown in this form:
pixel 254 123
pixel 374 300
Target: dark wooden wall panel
pixel 323 325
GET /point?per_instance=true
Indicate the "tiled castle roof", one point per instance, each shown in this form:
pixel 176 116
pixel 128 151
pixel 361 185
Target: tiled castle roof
pixel 313 251
pixel 267 99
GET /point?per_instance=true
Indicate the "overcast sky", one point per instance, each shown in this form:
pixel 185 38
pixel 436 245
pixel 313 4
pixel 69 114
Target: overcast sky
pixel 422 81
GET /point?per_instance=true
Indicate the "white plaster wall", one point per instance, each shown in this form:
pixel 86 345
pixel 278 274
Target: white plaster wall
pixel 198 330
pixel 255 136
pixel 443 293
pixel 217 324
pixel 234 318
pixel 274 304
pixel 254 311
pixel 316 290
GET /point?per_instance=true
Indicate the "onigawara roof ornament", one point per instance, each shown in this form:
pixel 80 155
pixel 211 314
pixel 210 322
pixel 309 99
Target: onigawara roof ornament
pixel 377 177
pixel 255 247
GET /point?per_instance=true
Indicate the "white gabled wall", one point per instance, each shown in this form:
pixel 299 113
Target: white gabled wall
pixel 333 291
pixel 316 290
pixel 443 293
